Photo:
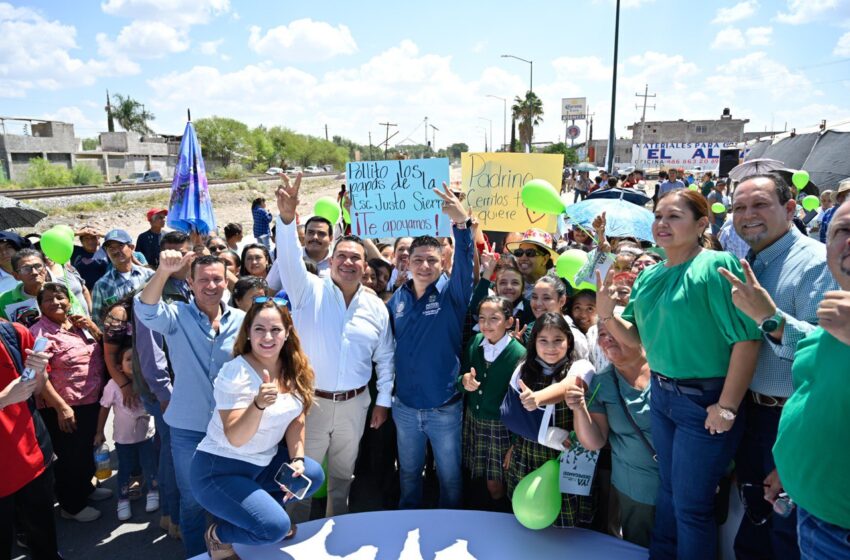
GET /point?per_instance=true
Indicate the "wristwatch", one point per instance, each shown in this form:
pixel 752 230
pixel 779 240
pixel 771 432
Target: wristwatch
pixel 772 323
pixel 727 413
pixel 464 225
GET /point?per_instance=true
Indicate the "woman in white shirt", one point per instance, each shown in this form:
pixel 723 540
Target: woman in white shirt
pixel 262 397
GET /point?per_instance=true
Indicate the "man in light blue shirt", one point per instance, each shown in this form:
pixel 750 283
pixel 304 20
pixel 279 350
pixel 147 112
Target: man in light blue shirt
pixel 200 335
pixel 671 184
pixel 787 276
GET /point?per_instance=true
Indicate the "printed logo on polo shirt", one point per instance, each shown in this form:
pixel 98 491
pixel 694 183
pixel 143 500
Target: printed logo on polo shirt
pixel 432 307
pixel 399 309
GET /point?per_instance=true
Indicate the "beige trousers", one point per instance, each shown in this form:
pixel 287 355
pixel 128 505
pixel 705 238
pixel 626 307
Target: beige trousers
pixel 333 429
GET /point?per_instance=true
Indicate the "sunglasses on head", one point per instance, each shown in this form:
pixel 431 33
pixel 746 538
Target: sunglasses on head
pixel 527 252
pixel 277 300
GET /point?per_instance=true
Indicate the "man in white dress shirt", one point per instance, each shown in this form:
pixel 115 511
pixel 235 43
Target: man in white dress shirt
pixel 343 328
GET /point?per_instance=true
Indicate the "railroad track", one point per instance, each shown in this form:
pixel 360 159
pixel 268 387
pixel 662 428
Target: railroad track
pixel 59 192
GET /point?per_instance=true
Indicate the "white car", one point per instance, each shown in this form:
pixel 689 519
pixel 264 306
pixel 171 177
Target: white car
pixel 312 170
pixel 274 171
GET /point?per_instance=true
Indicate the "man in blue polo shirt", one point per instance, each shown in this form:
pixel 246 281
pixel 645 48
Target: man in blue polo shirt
pixel 427 322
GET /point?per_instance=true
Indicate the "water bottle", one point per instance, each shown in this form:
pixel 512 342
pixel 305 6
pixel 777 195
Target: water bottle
pixel 103 467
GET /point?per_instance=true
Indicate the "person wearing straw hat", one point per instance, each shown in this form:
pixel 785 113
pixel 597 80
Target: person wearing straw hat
pixel 534 255
pixel 88 257
pixel 838 197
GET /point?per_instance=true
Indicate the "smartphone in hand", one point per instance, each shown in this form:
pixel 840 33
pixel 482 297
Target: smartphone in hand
pixel 40 345
pixel 298 485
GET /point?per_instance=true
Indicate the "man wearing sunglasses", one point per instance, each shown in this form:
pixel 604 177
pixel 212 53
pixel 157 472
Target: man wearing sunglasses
pixel 343 329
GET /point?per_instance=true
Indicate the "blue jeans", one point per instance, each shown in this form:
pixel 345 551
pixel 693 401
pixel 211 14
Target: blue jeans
pixel 131 456
pixel 442 427
pixel 169 495
pixel 819 539
pixel 244 498
pixel 193 522
pixel 778 537
pixel 691 463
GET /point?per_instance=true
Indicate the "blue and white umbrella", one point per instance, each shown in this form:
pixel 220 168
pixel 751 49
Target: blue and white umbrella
pixel 622 219
pixel 190 208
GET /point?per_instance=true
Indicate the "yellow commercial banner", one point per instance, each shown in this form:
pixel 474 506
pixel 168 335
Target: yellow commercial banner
pixel 493 183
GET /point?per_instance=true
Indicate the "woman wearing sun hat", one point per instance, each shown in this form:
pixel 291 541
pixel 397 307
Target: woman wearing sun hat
pixel 534 255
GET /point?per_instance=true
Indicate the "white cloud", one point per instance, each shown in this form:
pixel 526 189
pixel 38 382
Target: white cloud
pixel 210 48
pixel 755 73
pixel 804 11
pixel 739 11
pixel 178 13
pixel 729 38
pixel 842 48
pixel 303 40
pixel 37 53
pixel 811 115
pixel 479 47
pixel 582 67
pixel 151 39
pixel 759 36
pixel 73 115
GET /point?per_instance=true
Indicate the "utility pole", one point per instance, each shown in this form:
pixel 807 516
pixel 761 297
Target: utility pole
pixel 110 123
pixel 612 137
pixel 370 145
pixel 643 119
pixel 425 150
pixel 387 141
pixel 434 130
pixel 326 133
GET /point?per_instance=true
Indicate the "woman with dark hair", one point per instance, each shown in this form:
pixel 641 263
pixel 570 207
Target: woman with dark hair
pixel 262 397
pixel 256 261
pixel 543 378
pixel 550 296
pixel 534 256
pixel 675 307
pixel 69 401
pixel 246 289
pixel 383 271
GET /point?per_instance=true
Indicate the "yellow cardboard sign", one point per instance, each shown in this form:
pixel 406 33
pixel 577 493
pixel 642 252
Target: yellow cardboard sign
pixel 493 183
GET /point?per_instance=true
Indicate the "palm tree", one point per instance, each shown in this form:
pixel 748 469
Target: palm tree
pixel 528 112
pixel 130 114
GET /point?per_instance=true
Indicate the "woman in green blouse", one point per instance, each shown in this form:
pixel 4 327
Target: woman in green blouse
pixel 702 352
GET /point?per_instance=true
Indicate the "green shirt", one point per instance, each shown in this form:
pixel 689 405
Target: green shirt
pixel 707 187
pixel 17 306
pixel 494 378
pixel 685 316
pixel 634 472
pixel 812 450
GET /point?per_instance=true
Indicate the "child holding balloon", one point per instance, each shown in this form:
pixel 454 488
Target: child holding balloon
pixel 550 367
pixel 490 360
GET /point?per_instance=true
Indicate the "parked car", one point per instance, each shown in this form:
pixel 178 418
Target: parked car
pixel 293 170
pixel 274 171
pixel 143 177
pixel 312 170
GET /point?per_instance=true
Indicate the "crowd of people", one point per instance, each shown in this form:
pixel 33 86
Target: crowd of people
pixel 710 360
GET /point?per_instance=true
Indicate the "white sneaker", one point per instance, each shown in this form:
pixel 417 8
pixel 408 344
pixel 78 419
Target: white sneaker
pixel 100 493
pixel 152 501
pixel 124 511
pixel 85 515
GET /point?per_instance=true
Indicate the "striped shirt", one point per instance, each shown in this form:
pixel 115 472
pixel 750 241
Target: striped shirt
pixel 793 270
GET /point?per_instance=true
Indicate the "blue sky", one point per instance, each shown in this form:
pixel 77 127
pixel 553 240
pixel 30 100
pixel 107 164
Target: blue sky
pixel 352 65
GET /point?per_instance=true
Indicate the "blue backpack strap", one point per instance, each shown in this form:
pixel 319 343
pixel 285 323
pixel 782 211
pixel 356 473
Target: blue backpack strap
pixel 10 340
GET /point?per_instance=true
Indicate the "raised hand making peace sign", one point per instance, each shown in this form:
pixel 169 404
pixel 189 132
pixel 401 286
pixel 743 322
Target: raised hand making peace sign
pixel 748 295
pixel 287 197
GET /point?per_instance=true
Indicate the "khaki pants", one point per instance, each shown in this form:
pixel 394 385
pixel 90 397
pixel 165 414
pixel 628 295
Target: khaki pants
pixel 333 429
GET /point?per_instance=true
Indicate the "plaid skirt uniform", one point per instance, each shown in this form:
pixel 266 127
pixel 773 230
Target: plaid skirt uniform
pixel 529 455
pixel 485 444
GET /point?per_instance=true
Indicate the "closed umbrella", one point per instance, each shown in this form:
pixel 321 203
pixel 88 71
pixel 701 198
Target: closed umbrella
pixel 622 219
pixel 16 214
pixel 754 167
pixel 190 208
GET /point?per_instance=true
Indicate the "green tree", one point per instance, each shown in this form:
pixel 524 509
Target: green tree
pixel 90 144
pixel 227 140
pixel 456 149
pixel 570 155
pixel 130 114
pixel 528 112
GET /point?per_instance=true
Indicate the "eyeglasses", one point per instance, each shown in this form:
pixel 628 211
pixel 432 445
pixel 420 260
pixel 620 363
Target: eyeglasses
pixel 530 253
pixel 30 268
pixel 110 321
pixel 217 248
pixel 277 300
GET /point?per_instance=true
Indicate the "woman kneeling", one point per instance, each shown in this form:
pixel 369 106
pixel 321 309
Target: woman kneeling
pixel 262 396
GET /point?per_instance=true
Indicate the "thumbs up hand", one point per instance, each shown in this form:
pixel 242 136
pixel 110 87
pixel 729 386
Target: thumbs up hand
pixel 267 394
pixel 527 397
pixel 469 381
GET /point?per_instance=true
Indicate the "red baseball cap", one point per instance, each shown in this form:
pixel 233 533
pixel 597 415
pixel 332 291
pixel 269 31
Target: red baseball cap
pixel 154 211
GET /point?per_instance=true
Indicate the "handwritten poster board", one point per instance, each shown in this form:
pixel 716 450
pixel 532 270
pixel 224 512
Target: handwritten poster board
pixel 493 182
pixel 394 198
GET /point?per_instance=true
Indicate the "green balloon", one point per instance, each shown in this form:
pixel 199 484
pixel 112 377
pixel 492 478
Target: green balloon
pixel 56 245
pixel 569 263
pixel 586 286
pixel 65 229
pixel 718 208
pixel 322 492
pixel 800 179
pixel 539 195
pixel 811 202
pixel 327 208
pixel 537 498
